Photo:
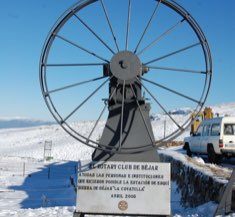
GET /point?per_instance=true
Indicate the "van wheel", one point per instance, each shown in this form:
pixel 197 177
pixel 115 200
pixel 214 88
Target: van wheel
pixel 188 151
pixel 212 156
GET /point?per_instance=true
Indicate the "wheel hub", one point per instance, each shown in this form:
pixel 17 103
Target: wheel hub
pixel 125 65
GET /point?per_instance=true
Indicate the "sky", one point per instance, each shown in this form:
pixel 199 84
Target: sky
pixel 25 25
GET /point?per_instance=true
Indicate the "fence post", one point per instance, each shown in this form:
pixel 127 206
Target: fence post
pixel 23 169
pixel 75 169
pixel 165 128
pixel 47 150
pixel 49 172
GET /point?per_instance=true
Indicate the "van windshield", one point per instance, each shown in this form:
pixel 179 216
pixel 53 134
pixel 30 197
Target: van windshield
pixel 229 129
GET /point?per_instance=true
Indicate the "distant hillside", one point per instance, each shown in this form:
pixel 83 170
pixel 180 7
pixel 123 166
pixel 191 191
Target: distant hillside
pixel 21 122
pixel 224 109
pixel 17 122
pixel 27 140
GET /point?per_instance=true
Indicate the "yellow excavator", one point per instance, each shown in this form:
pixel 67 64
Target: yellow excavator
pixel 198 118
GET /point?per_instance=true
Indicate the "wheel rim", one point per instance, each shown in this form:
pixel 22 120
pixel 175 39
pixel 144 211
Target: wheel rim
pixel 56 36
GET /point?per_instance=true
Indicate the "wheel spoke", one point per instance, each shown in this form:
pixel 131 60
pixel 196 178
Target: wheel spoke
pixel 74 85
pixel 158 103
pixel 93 32
pixel 141 113
pixel 96 123
pixel 128 23
pixel 82 48
pixel 177 69
pixel 101 114
pixel 109 23
pixel 73 64
pixel 161 36
pixel 173 53
pixel 172 91
pixel 122 114
pixel 148 24
pixel 84 101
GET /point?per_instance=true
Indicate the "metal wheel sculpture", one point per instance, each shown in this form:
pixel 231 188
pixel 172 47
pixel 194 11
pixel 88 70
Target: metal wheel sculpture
pixel 122 52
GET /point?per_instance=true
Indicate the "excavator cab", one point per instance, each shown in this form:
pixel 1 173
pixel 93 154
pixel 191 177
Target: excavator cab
pixel 198 118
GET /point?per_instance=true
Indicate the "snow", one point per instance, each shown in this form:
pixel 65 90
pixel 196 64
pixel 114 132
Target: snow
pixel 41 212
pixel 220 174
pixel 31 187
pixel 199 160
pixel 26 189
pixel 206 210
pixel 225 109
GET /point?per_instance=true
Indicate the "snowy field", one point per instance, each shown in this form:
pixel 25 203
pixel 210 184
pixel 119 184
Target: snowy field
pixel 32 186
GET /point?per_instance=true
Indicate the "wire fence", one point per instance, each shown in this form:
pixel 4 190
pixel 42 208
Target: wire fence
pixel 42 201
pixel 38 184
pixel 40 170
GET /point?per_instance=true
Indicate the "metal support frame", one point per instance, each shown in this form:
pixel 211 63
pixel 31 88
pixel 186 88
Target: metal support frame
pixel 227 201
pixel 128 126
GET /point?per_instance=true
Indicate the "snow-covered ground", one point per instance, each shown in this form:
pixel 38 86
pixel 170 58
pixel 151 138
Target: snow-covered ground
pixel 30 186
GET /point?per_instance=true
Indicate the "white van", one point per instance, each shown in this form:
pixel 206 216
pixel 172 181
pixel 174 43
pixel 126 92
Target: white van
pixel 214 137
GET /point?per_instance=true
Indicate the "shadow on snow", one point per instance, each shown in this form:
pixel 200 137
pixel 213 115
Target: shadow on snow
pixel 51 185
